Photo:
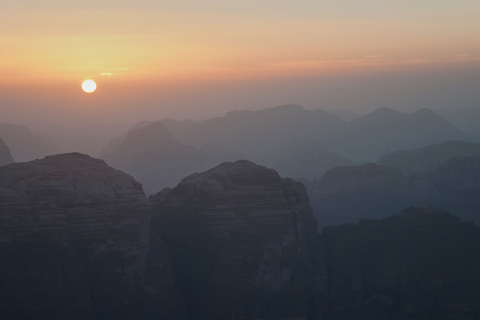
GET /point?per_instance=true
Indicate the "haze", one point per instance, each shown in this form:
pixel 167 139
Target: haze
pixel 198 59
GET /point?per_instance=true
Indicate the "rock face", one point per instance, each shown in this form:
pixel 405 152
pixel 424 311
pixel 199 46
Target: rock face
pixel 243 243
pixel 422 263
pixel 75 244
pixel 428 158
pixel 5 156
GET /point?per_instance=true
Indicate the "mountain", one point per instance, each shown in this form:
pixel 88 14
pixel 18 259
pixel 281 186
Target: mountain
pixel 24 144
pixel 75 243
pixel 422 263
pixel 155 158
pixel 303 159
pixel 243 243
pixel 385 130
pixel 345 114
pixel 466 118
pixel 263 132
pixel 428 158
pixel 351 193
pixel 5 156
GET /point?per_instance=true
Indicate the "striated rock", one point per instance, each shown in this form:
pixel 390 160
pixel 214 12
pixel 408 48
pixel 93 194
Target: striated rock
pixel 74 244
pixel 428 158
pixel 243 243
pixel 5 155
pixel 422 263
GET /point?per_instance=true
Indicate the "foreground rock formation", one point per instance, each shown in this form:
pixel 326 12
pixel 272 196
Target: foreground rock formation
pixel 5 155
pixel 422 263
pixel 75 244
pixel 243 243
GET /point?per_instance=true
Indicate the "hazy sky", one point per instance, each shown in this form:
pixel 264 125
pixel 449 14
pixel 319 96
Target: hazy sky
pixel 197 58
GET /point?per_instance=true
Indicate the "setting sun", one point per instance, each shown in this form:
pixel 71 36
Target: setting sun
pixel 89 86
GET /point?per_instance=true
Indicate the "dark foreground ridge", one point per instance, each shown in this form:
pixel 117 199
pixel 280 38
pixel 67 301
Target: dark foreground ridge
pixel 243 242
pixel 79 240
pixel 74 244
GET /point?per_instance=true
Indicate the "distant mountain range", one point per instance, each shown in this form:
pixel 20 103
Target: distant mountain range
pixel 5 155
pixel 297 142
pixel 24 144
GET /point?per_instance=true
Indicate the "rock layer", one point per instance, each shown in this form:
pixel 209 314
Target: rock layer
pixel 243 243
pixel 74 244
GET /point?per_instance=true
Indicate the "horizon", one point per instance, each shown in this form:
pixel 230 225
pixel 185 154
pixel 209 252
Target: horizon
pixel 191 60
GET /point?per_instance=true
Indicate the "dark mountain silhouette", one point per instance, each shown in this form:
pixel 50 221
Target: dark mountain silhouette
pixel 243 243
pixel 79 240
pixel 422 263
pixel 5 156
pixel 385 130
pixel 428 158
pixel 75 243
pixel 24 144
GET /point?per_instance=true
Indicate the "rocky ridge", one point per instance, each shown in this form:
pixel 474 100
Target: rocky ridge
pixel 75 244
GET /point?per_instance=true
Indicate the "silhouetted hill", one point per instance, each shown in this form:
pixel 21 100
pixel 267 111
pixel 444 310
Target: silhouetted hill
pixel 303 159
pixel 260 133
pixel 428 158
pixel 25 145
pixel 385 130
pixel 348 194
pixel 466 118
pixel 5 156
pixel 422 263
pixel 154 157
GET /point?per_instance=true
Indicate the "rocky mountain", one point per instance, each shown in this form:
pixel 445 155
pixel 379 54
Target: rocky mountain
pixel 24 144
pixel 385 130
pixel 75 243
pixel 5 156
pixel 422 263
pixel 260 133
pixel 303 159
pixel 154 157
pixel 351 193
pixel 243 242
pixel 428 158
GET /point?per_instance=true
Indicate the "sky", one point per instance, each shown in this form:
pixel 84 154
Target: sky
pixel 197 59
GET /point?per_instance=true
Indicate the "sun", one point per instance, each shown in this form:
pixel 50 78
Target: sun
pixel 89 86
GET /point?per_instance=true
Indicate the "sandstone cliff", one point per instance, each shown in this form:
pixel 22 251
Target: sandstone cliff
pixel 243 243
pixel 75 244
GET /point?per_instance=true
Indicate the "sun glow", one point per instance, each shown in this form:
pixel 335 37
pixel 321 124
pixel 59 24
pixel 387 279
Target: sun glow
pixel 89 86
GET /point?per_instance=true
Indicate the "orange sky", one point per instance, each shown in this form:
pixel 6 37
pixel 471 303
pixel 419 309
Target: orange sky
pixel 48 47
pixel 50 40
